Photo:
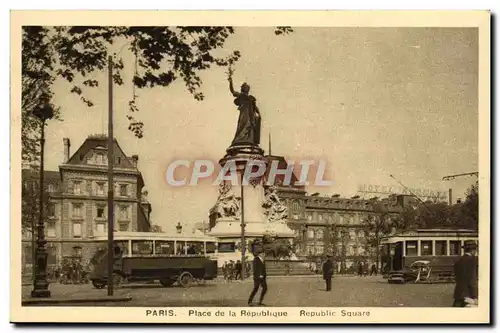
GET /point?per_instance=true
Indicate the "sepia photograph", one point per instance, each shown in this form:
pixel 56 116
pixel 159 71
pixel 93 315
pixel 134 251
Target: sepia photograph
pixel 250 167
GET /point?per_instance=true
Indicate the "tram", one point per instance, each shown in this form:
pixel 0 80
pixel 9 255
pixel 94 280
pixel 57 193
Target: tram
pixel 423 255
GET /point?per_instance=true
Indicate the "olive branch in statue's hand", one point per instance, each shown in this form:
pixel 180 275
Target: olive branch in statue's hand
pixel 230 72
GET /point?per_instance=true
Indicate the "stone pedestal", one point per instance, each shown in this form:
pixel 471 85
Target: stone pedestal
pixel 256 222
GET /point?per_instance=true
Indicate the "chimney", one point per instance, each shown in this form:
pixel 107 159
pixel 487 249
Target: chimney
pixel 67 145
pixel 135 159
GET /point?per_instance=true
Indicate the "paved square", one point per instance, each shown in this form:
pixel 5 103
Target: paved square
pixel 282 291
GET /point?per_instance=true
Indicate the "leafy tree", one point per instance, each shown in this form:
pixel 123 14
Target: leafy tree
pixel 37 76
pixel 76 53
pixel 470 208
pixel 30 203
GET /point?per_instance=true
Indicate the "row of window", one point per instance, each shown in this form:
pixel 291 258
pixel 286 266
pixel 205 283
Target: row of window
pixel 439 248
pixel 100 158
pixel 334 218
pixel 100 211
pixel 76 228
pixel 350 250
pixel 319 233
pixel 99 188
pixel 143 247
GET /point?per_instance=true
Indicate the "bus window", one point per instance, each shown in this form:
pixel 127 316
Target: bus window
pixel 194 248
pixel 426 248
pixel 142 247
pixel 411 248
pixel 210 247
pixel 164 247
pixel 440 248
pixel 454 248
pixel 227 247
pixel 181 248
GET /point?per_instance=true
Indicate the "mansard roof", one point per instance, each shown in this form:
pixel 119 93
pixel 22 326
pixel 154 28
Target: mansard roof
pixel 100 142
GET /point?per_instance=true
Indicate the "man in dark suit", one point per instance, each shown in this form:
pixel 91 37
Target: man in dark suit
pixel 259 278
pixel 466 276
pixel 328 272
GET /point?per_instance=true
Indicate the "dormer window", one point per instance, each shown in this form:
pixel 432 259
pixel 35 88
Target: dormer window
pixel 100 159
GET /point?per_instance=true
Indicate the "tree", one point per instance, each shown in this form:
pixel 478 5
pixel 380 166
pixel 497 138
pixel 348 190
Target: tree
pixel 37 77
pixel 378 225
pixel 76 53
pixel 30 200
pixel 470 208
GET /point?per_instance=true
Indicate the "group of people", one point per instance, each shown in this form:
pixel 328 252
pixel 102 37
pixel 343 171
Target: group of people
pixel 232 270
pixel 363 269
pixel 71 272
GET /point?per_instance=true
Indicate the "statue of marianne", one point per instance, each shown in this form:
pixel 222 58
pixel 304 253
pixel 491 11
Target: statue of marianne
pixel 248 129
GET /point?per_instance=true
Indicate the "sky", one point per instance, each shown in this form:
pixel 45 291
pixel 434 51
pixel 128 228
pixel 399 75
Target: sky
pixel 371 102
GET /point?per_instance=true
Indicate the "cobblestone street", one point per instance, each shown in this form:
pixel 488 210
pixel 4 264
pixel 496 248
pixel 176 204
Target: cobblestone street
pixel 282 291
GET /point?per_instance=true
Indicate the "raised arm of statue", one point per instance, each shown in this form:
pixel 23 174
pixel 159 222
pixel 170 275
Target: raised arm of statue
pixel 230 79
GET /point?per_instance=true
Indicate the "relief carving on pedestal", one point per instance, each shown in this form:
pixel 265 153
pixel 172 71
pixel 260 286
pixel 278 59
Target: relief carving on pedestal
pixel 274 209
pixel 228 204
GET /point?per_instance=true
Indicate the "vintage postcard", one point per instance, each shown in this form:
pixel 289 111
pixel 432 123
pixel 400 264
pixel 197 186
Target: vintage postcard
pixel 250 167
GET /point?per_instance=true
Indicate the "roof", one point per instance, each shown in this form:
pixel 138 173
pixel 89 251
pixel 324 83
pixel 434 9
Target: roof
pixel 100 142
pixel 282 165
pixel 137 235
pixel 436 232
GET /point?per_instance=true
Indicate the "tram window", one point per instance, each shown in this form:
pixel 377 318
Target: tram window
pixel 210 247
pixel 454 248
pixel 227 247
pixel 164 247
pixel 142 247
pixel 440 248
pixel 123 245
pixel 426 248
pixel 411 248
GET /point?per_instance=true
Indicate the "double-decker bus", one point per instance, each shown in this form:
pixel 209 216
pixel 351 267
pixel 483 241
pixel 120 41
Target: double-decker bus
pixel 424 255
pixel 147 256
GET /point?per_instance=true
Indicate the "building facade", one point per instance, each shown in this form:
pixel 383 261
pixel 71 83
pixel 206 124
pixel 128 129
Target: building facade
pixel 76 208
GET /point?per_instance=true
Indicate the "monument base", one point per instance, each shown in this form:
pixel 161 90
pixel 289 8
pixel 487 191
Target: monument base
pixel 227 228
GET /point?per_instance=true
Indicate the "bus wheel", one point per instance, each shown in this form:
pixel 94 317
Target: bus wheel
pixel 166 282
pixel 98 285
pixel 185 279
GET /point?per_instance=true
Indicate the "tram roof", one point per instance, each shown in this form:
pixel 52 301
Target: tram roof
pixel 434 232
pixel 137 235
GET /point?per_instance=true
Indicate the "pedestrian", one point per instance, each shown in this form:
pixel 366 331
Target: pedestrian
pixel 373 270
pixel 466 268
pixel 237 268
pixel 360 268
pixel 328 272
pixel 259 278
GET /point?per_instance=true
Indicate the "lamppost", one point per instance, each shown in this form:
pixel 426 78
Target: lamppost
pixel 43 112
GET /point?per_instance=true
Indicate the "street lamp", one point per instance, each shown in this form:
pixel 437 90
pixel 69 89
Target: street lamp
pixel 43 112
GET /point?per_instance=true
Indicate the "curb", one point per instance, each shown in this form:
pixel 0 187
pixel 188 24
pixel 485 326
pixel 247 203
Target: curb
pixel 36 301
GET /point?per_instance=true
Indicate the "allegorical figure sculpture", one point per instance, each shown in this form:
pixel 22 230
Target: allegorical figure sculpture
pixel 274 209
pixel 248 129
pixel 228 204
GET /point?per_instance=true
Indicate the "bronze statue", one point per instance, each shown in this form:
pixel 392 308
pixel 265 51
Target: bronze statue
pixel 248 129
